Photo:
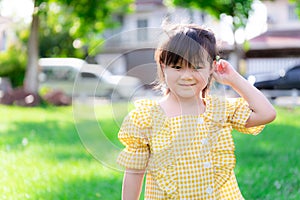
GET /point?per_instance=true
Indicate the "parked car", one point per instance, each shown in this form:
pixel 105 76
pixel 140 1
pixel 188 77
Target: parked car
pixel 75 77
pixel 282 80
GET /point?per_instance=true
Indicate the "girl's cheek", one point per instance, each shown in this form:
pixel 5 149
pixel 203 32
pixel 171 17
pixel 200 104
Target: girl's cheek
pixel 203 78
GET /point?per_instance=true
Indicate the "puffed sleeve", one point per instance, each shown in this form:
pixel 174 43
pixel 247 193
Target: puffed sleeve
pixel 134 135
pixel 239 113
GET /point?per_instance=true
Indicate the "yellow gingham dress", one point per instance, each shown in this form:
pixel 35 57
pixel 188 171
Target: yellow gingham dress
pixel 187 156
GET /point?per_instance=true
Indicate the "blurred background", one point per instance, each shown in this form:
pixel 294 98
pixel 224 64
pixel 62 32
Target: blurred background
pixel 260 38
pixel 70 70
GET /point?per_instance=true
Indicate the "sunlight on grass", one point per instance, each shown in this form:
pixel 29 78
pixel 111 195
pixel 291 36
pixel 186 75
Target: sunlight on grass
pixel 269 163
pixel 43 157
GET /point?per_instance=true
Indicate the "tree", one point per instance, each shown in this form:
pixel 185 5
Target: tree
pixel 238 9
pixel 87 19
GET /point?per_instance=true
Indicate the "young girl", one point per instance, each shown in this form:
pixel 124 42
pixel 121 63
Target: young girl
pixel 183 141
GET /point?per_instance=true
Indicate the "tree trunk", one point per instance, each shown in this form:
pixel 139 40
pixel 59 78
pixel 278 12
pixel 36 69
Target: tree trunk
pixel 31 76
pixel 238 51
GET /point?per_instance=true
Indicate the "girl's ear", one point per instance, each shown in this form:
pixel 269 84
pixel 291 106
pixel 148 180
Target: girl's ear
pixel 162 67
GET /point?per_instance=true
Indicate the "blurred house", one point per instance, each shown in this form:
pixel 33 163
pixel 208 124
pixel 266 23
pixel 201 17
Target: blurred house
pixel 130 49
pixel 5 30
pixel 279 47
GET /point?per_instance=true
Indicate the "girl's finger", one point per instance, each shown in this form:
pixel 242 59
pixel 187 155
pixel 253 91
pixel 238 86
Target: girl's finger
pixel 221 68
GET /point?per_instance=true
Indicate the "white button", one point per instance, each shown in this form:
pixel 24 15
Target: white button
pixel 204 141
pixel 200 120
pixel 209 190
pixel 207 165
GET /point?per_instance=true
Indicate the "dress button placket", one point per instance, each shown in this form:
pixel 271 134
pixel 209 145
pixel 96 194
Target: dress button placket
pixel 209 190
pixel 200 120
pixel 204 141
pixel 207 165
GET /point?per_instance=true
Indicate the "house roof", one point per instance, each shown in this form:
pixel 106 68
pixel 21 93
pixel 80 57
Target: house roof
pixel 278 39
pixel 275 43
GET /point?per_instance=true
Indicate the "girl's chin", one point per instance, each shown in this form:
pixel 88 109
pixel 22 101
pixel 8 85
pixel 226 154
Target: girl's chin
pixel 187 94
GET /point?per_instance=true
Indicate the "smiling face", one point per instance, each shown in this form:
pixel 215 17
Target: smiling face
pixel 185 60
pixel 186 81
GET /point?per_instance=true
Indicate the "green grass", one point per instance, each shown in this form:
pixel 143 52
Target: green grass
pixel 42 157
pixel 45 155
pixel 268 164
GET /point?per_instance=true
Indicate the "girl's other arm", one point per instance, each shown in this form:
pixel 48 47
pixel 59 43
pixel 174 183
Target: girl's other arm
pixel 132 184
pixel 262 110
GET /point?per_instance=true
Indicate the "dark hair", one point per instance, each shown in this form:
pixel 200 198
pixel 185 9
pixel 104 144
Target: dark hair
pixel 189 43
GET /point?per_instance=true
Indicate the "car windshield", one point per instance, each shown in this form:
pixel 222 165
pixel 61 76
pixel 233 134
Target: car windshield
pixel 62 73
pixel 294 69
pixel 98 70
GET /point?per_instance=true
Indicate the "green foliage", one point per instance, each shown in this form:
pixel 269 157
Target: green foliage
pixel 238 9
pixel 73 20
pixel 54 32
pixel 297 3
pixel 13 64
pixel 64 21
pixel 54 38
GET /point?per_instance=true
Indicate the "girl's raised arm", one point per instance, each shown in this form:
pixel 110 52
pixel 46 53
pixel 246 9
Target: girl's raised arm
pixel 262 110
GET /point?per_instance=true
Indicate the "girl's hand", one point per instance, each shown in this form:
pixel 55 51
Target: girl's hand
pixel 224 73
pixel 262 111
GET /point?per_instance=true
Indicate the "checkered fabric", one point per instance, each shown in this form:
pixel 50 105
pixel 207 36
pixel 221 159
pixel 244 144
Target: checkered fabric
pixel 188 156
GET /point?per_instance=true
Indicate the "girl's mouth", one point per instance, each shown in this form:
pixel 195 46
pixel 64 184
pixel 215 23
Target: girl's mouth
pixel 187 85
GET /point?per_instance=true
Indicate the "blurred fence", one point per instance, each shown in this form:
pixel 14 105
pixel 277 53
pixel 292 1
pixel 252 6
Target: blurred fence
pixel 262 65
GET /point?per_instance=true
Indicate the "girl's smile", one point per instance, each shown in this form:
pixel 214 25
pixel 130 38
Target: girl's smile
pixel 186 82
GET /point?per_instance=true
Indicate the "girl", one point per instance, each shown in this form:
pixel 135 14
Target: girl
pixel 184 140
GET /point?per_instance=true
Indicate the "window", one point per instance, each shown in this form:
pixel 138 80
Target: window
pixel 88 75
pixel 59 74
pixel 142 34
pixel 293 77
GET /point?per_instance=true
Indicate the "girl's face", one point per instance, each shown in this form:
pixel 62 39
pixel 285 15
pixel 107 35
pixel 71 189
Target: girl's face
pixel 186 82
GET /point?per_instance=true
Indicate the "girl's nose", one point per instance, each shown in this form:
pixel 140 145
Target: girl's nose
pixel 187 73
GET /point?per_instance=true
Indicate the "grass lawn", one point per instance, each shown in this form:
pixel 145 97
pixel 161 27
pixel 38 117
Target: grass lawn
pixel 45 156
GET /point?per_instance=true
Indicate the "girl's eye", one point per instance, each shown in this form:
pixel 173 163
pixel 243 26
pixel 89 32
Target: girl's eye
pixel 197 67
pixel 176 67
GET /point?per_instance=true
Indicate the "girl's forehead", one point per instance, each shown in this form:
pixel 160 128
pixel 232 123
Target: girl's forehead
pixel 184 63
